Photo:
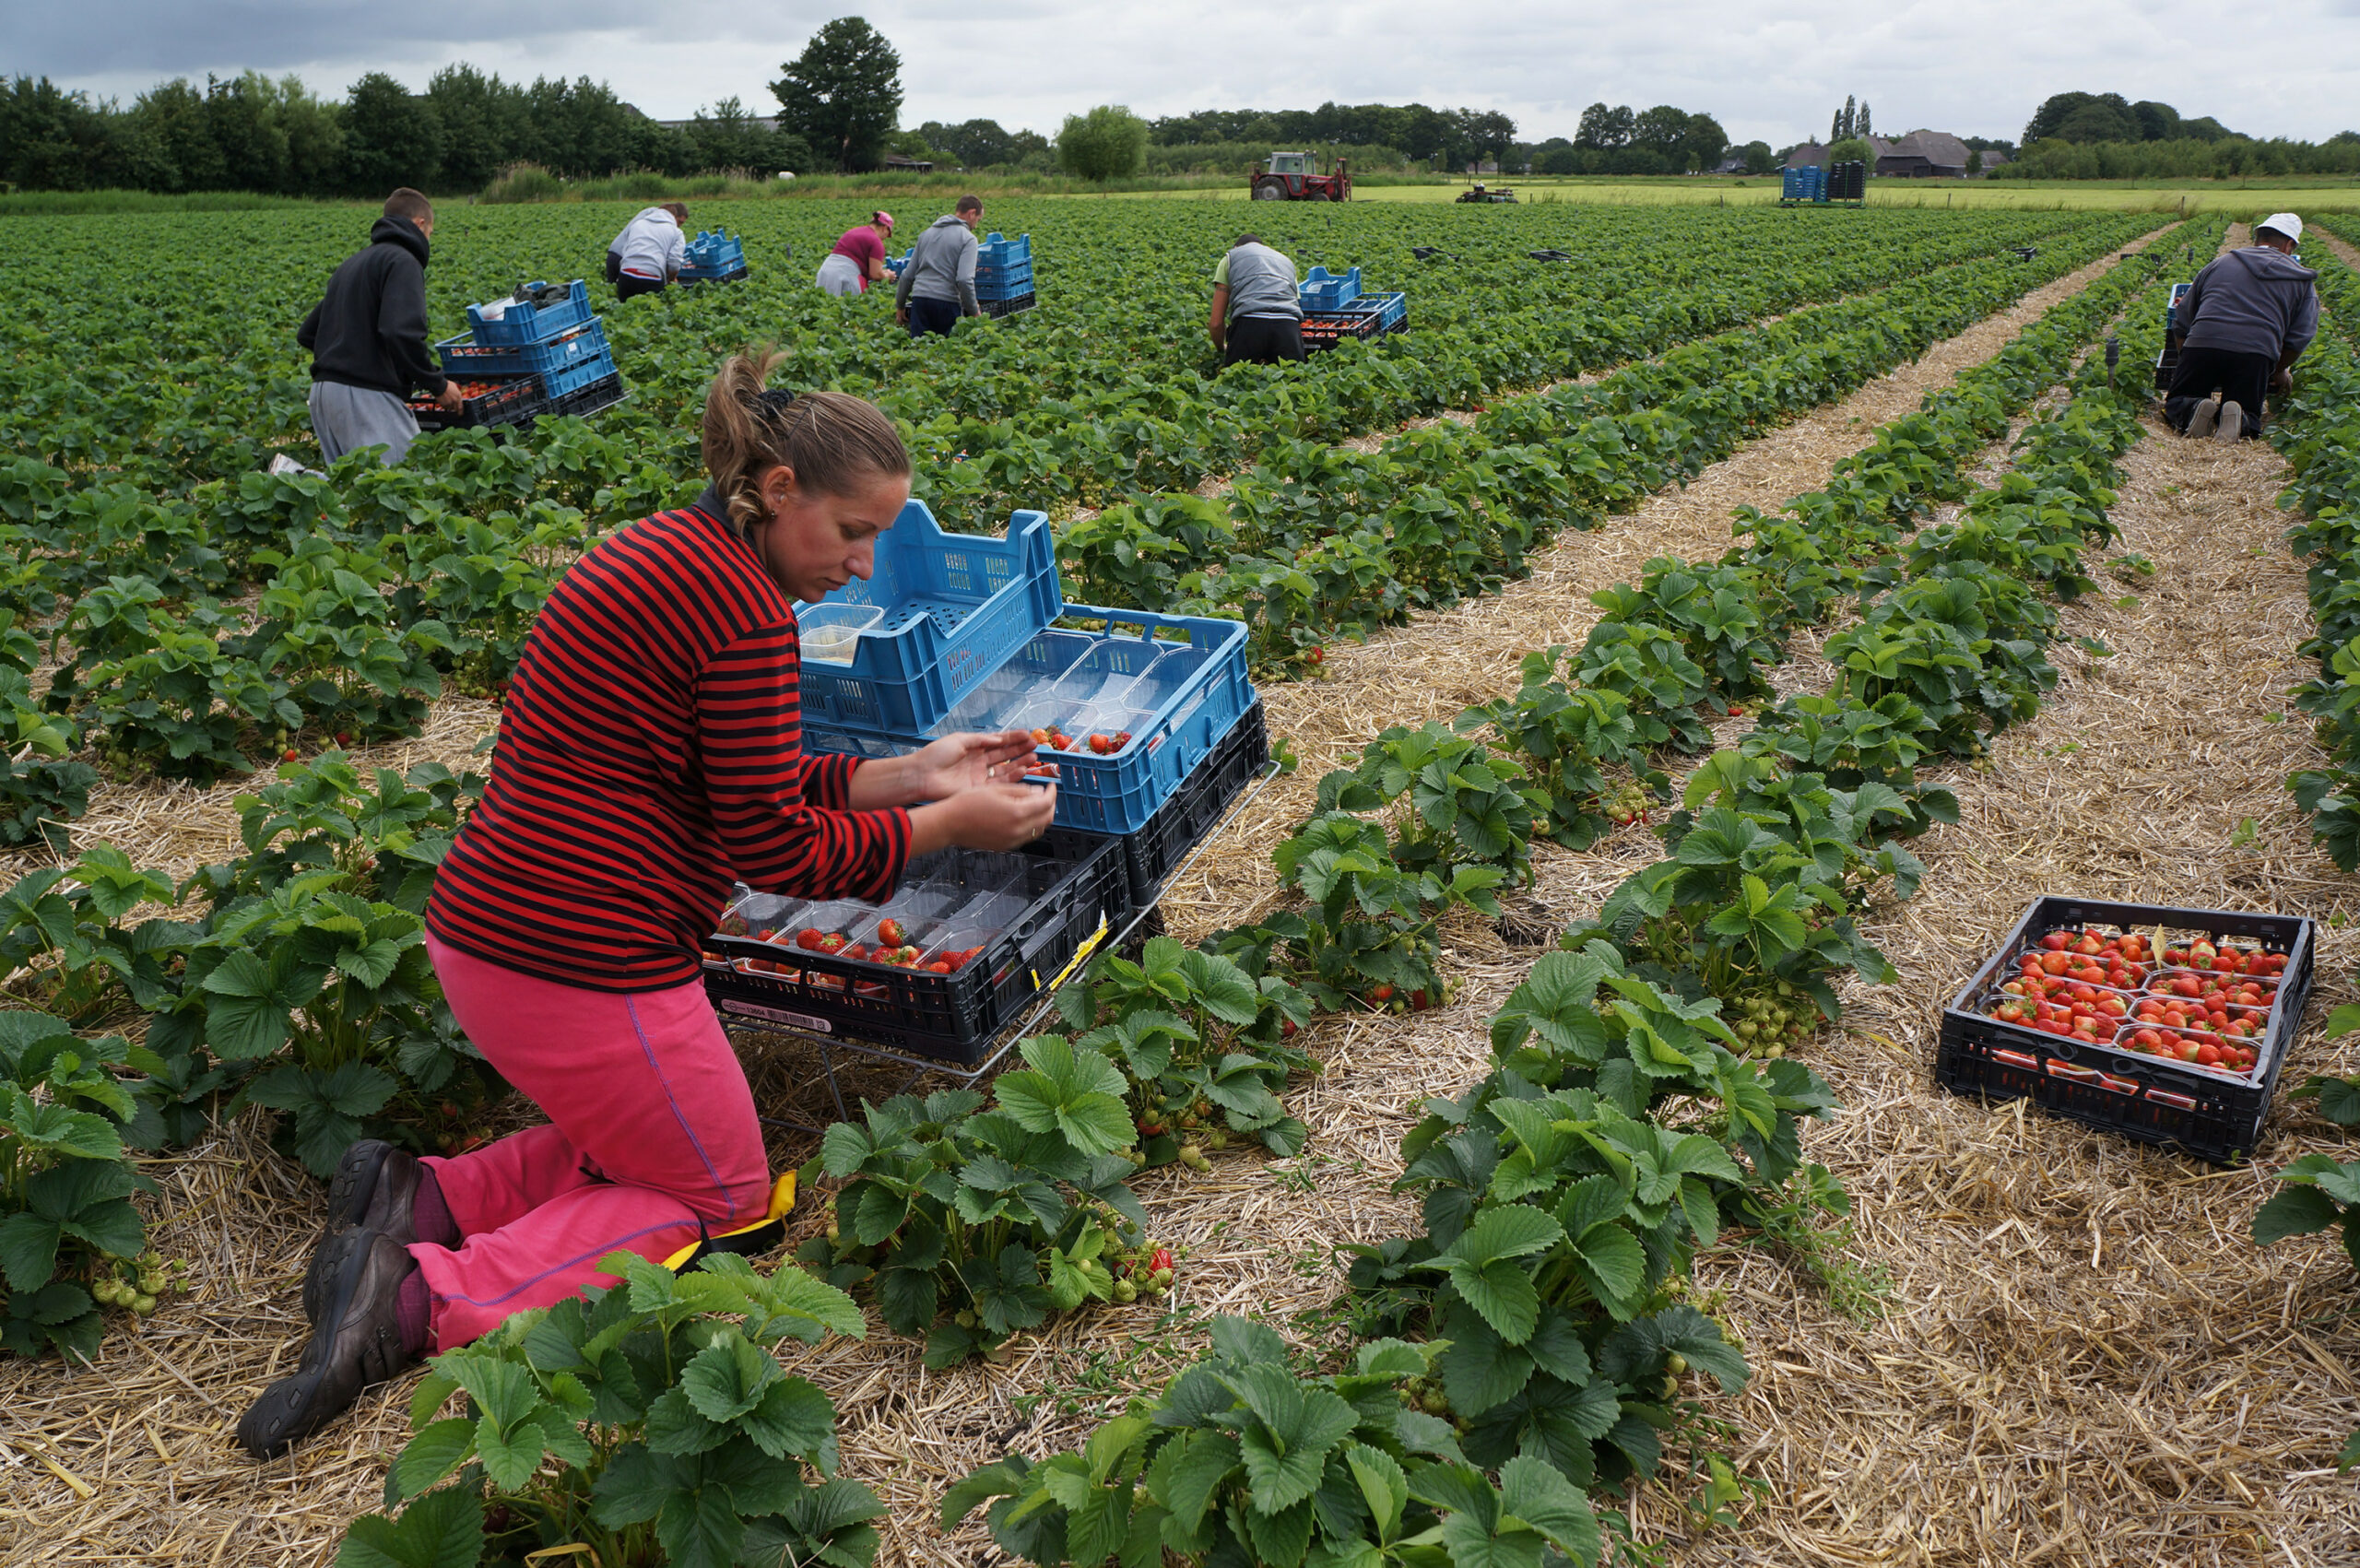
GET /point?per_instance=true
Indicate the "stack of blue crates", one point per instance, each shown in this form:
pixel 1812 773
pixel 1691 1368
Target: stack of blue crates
pixel 1004 274
pixel 1805 185
pixel 1321 290
pixel 562 345
pixel 714 257
pixel 1149 721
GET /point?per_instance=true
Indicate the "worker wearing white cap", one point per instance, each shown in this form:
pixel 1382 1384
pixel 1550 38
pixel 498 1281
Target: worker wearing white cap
pixel 2243 322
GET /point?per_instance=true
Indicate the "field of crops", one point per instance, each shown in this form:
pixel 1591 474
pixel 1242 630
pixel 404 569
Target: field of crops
pixel 1694 654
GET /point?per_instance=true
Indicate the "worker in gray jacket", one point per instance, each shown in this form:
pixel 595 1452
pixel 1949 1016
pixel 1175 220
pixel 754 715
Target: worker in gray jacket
pixel 938 285
pixel 1258 310
pixel 2243 322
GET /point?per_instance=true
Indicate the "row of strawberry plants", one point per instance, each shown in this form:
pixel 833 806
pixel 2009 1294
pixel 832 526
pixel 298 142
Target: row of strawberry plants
pixel 2319 436
pixel 1567 1192
pixel 1097 384
pixel 361 616
pixel 1328 542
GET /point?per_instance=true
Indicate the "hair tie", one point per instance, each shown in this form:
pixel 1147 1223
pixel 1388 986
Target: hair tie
pixel 774 401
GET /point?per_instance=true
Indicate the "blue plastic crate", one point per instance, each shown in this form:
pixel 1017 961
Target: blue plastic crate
pixel 464 355
pixel 520 323
pixel 1322 290
pixel 1808 184
pixel 1003 282
pixel 955 607
pixel 1392 310
pixel 573 377
pixel 996 250
pixel 1176 685
pixel 712 256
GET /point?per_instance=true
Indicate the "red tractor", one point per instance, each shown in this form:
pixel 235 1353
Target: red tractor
pixel 1290 179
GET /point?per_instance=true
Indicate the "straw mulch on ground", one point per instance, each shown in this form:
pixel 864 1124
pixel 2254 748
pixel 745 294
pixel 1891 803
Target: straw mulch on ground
pixel 2083 1361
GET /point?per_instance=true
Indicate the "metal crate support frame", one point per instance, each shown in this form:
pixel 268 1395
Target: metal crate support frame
pixel 1109 937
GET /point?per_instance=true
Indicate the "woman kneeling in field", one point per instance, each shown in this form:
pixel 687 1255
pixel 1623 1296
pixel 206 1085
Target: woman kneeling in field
pixel 649 753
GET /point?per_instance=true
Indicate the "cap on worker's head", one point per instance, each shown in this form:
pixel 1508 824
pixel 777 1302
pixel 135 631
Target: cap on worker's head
pixel 2284 223
pixel 881 215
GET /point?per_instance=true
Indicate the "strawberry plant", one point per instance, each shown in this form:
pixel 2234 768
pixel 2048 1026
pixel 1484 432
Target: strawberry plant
pixel 65 1184
pixel 1713 610
pixel 647 1423
pixel 1366 927
pixel 1453 802
pixel 1572 740
pixel 1242 1460
pixel 1203 1044
pixel 1649 668
pixel 970 1226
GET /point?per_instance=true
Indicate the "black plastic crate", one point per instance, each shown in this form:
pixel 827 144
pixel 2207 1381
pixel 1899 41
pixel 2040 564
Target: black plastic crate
pixel 1196 807
pixel 1080 892
pixel 512 400
pixel 2210 1114
pixel 1325 329
pixel 1007 307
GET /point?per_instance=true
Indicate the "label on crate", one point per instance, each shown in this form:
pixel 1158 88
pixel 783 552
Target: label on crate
pixel 776 1015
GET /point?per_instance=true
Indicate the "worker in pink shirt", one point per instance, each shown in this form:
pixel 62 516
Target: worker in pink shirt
pixel 858 259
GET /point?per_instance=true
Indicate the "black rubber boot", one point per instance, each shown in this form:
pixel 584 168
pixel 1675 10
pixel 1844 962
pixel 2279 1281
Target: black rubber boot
pixel 357 1342
pixel 373 1187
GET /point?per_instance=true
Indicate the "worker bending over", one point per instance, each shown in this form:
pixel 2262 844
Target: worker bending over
pixel 858 259
pixel 2243 322
pixel 1257 313
pixel 938 286
pixel 649 252
pixel 368 339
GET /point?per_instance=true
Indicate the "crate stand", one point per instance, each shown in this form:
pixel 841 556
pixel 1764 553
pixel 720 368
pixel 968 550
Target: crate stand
pixel 1108 935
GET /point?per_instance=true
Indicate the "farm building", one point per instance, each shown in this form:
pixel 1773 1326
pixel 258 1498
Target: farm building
pixel 1922 155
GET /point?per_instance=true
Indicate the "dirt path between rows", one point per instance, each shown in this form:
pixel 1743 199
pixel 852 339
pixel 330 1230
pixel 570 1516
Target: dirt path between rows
pixel 1442 664
pixel 2085 1360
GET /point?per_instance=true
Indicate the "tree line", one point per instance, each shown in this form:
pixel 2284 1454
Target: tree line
pixel 252 133
pixel 2102 136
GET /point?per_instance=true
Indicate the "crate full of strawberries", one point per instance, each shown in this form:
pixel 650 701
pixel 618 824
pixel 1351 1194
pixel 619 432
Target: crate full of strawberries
pixel 2164 1024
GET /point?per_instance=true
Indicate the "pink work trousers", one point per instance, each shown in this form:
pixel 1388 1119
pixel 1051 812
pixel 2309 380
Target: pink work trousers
pixel 652 1130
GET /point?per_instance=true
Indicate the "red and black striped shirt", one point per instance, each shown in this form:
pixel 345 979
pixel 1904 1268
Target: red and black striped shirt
pixel 650 751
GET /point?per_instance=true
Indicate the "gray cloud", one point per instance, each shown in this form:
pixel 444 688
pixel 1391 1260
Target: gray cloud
pixel 1776 74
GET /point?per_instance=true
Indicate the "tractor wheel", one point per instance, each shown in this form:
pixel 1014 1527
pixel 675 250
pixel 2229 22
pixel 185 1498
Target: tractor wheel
pixel 1270 190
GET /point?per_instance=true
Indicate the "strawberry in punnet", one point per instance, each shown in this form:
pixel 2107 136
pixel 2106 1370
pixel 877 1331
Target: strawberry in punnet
pixel 890 933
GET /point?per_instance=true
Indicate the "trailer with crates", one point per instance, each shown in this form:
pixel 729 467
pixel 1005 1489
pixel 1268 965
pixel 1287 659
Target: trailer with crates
pixel 1335 307
pixel 1839 184
pixel 542 350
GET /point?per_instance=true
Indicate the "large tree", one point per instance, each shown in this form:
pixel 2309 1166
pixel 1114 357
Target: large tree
pixel 487 124
pixel 842 94
pixel 1603 129
pixel 1703 146
pixel 391 137
pixel 1108 142
pixel 2085 117
pixel 1662 130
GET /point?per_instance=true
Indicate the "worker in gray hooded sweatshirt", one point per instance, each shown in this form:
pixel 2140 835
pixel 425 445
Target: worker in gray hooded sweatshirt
pixel 2243 322
pixel 938 285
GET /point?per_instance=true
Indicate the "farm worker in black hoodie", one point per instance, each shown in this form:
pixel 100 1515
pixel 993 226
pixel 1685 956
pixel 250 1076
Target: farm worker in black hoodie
pixel 939 285
pixel 368 339
pixel 2243 322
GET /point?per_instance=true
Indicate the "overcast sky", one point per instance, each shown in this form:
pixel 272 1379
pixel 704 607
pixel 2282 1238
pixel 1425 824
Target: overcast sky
pixel 1771 71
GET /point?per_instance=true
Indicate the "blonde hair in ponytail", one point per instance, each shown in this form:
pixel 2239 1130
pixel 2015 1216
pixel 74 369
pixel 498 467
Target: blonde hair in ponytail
pixel 834 442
